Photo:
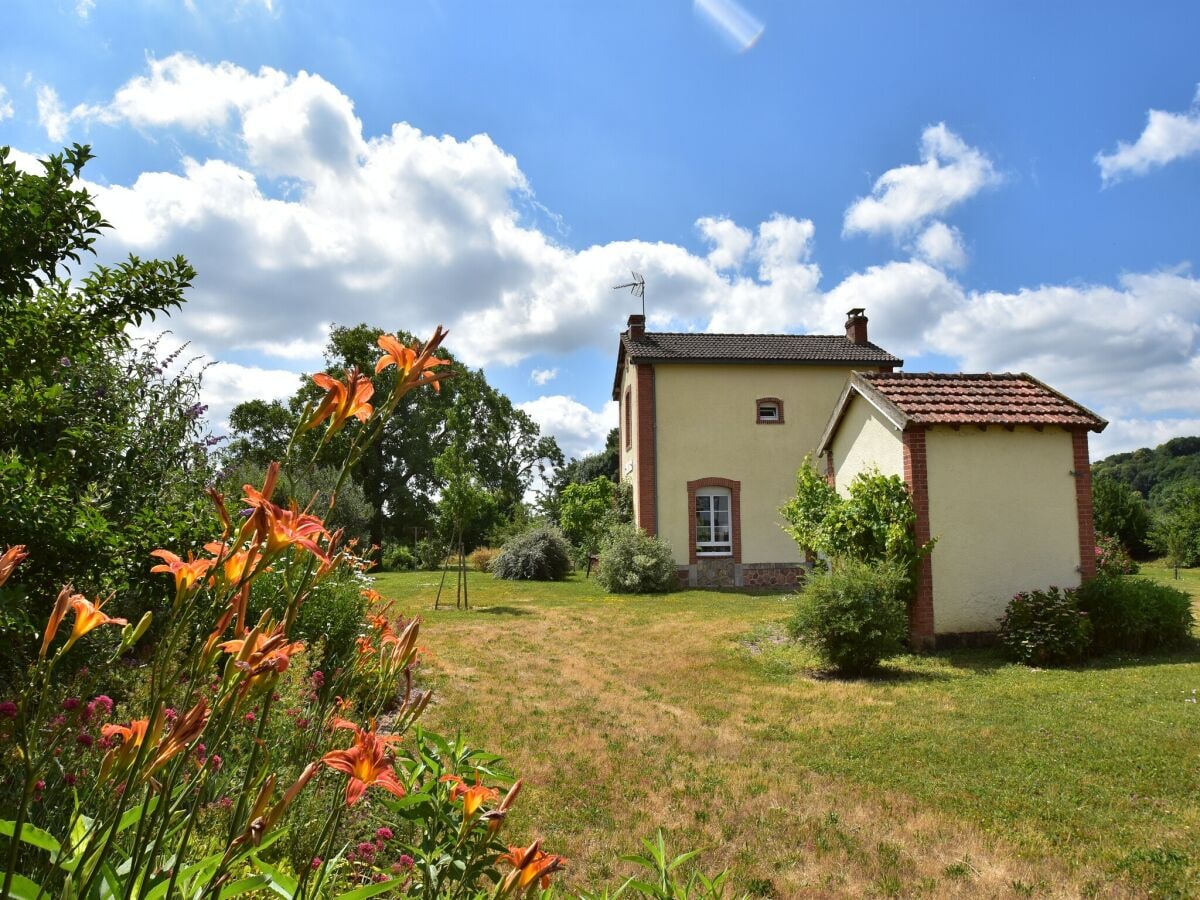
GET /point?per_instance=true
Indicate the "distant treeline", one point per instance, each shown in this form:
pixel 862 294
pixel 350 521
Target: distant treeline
pixel 1152 472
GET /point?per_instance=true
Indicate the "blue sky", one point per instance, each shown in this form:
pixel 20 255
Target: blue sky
pixel 990 183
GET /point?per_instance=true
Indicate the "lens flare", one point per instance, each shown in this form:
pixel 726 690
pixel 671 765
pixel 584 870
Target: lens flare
pixel 732 21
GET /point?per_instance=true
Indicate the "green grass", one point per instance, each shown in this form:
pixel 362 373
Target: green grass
pixel 952 774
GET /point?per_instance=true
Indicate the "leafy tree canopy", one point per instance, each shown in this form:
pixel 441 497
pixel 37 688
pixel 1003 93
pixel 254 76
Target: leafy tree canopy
pixel 102 451
pixel 503 446
pixel 1151 471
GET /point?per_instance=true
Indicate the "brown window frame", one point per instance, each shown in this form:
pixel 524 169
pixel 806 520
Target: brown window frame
pixel 759 420
pixel 628 418
pixel 735 516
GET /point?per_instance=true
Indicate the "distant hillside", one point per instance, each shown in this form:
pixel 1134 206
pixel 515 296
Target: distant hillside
pixel 1149 471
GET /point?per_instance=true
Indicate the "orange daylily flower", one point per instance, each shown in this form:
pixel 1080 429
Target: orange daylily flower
pixel 187 572
pixel 365 647
pixel 366 762
pixel 61 605
pixel 261 652
pixel 278 528
pixel 343 400
pixel 234 562
pixel 183 733
pixel 414 364
pixel 10 560
pixel 132 737
pixel 88 617
pixel 530 866
pixel 495 817
pixel 473 796
pixel 372 595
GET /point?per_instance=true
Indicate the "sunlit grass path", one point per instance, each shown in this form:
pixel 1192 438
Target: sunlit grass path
pixel 957 775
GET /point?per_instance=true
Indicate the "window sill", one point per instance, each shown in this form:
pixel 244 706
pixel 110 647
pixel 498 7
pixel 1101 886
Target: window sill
pixel 725 553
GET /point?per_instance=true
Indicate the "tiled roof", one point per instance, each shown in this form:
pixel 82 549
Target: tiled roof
pixel 662 346
pixel 1004 399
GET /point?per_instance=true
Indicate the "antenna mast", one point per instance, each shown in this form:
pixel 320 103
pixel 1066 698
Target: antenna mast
pixel 637 287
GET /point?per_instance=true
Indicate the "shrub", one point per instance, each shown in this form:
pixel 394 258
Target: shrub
pixel 541 554
pixel 1135 614
pixel 398 558
pixel 1122 512
pixel 1112 558
pixel 874 523
pixel 480 559
pixel 430 553
pixel 1045 628
pixel 633 562
pixel 854 615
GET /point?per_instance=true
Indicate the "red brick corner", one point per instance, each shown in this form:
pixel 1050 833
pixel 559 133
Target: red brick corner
pixel 916 476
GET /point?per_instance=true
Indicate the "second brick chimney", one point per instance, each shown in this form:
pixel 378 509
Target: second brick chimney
pixel 637 327
pixel 856 325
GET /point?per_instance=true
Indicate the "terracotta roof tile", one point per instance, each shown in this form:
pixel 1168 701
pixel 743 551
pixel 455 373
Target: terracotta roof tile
pixel 1000 399
pixel 663 346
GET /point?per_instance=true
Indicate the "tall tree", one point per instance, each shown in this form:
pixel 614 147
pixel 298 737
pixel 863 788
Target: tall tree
pixel 398 475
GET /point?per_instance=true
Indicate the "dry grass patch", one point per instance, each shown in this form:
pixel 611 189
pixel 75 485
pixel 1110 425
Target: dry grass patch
pixel 955 775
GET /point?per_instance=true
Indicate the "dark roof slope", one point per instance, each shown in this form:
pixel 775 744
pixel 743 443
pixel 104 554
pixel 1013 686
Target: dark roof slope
pixel 665 346
pixel 932 398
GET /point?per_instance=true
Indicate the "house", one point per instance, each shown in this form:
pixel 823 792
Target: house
pixel 713 428
pixel 997 466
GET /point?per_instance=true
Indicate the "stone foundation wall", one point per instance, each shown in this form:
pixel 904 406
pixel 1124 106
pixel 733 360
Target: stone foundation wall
pixel 720 573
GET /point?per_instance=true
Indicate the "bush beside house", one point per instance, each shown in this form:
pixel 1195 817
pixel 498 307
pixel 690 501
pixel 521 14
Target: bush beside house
pixel 854 615
pixel 541 554
pixel 633 562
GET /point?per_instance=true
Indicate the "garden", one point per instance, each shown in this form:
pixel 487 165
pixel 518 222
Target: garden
pixel 233 667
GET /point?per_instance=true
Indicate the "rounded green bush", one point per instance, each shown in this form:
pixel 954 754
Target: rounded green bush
pixel 1046 628
pixel 1135 614
pixel 854 615
pixel 633 562
pixel 541 554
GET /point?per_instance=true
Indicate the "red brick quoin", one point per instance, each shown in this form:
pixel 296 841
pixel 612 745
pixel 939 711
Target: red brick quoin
pixel 916 476
pixel 1083 504
pixel 735 514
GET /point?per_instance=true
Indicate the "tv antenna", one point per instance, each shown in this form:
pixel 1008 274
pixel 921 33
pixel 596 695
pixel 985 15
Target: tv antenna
pixel 637 287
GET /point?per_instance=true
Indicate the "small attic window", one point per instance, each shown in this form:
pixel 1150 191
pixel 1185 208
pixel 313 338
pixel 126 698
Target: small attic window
pixel 769 411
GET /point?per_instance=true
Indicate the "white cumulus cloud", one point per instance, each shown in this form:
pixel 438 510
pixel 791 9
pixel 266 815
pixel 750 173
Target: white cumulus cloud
pixel 1167 137
pixel 6 107
pixel 543 376
pixel 578 429
pixel 295 218
pixel 905 197
pixel 941 245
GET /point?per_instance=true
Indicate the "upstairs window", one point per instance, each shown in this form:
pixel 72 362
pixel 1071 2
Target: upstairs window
pixel 714 524
pixel 628 419
pixel 769 411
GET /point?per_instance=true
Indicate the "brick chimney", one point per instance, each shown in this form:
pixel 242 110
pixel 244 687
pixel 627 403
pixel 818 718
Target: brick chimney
pixel 637 327
pixel 856 326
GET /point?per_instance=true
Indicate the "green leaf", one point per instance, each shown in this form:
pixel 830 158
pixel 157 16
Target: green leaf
pixel 32 835
pixel 23 888
pixel 370 890
pixel 244 886
pixel 282 884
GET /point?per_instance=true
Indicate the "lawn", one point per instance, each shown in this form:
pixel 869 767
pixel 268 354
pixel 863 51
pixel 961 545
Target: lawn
pixel 954 774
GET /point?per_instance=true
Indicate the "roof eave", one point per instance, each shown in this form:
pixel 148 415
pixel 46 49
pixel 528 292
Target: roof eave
pixel 857 385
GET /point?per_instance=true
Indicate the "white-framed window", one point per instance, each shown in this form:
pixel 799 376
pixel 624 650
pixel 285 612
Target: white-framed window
pixel 768 411
pixel 714 522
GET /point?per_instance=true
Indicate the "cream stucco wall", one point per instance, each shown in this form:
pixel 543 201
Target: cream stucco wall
pixel 865 440
pixel 1002 506
pixel 706 428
